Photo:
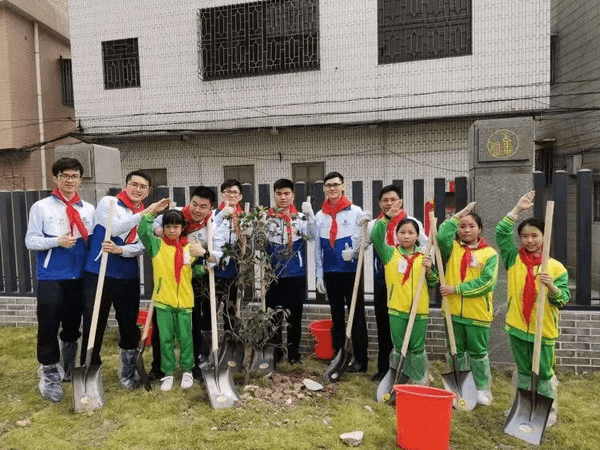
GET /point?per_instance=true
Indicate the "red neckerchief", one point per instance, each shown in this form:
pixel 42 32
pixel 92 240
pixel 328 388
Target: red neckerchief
pixel 328 208
pixel 190 224
pixel 391 227
pixel 410 260
pixel 235 217
pixel 466 259
pixel 72 213
pixel 124 198
pixel 286 216
pixel 178 244
pixel 529 291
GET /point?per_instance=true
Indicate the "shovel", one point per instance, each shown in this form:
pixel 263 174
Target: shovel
pixel 460 382
pixel 141 370
pixel 88 393
pixel 385 390
pixel 221 390
pixel 530 410
pixel 263 360
pixel 340 363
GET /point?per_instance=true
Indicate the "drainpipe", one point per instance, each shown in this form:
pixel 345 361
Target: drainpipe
pixel 38 79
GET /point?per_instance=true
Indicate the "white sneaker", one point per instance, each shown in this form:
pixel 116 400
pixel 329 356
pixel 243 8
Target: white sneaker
pixel 187 380
pixel 166 383
pixel 484 397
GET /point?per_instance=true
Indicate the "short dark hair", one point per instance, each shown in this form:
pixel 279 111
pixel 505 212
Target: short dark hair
pixel 283 183
pixel 173 217
pixel 138 173
pixel 390 188
pixel 331 175
pixel 413 223
pixel 231 183
pixel 533 222
pixel 204 192
pixel 66 163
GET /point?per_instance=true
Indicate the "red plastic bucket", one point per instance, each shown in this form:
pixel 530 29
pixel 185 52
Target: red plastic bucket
pixel 321 330
pixel 141 321
pixel 423 417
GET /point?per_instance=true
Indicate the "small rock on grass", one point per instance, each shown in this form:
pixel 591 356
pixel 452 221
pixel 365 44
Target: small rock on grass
pixel 353 439
pixel 312 385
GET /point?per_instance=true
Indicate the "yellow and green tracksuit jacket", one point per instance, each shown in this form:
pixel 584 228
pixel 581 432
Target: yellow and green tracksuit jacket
pixel 516 272
pixel 167 293
pixel 472 302
pixel 400 296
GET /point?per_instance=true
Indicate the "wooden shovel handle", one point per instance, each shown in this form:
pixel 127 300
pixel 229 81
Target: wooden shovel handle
pixel 100 285
pixel 361 257
pixel 541 297
pixel 417 297
pixel 445 306
pixel 147 323
pixel 213 296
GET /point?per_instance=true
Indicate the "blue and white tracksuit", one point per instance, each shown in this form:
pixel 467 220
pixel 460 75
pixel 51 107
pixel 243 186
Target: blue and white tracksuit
pixel 122 281
pixel 338 276
pixel 59 273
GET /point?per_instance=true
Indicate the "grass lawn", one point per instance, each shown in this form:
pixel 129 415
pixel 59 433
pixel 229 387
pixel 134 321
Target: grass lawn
pixel 184 419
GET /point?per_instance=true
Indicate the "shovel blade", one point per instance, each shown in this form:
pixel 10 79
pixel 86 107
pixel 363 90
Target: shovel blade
pixel 338 365
pixel 220 387
pixel 263 361
pixel 232 355
pixel 386 385
pixel 141 370
pixel 465 389
pixel 88 393
pixel 528 416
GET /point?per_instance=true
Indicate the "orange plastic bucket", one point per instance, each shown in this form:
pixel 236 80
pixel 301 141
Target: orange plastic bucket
pixel 423 417
pixel 321 330
pixel 141 321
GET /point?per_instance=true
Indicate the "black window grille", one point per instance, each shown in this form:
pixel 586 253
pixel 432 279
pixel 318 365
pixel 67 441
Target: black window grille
pixel 121 61
pixel 258 38
pixel 411 30
pixel 66 83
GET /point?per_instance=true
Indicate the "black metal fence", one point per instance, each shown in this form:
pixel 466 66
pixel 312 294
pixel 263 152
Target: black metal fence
pixel 17 264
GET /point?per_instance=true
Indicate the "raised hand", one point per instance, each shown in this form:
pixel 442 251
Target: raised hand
pixel 465 211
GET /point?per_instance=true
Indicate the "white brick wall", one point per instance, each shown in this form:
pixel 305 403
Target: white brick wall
pixel 508 70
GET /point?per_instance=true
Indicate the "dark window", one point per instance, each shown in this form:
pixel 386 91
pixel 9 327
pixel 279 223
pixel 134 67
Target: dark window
pixel 244 174
pixel 544 162
pixel 258 38
pixel 158 177
pixel 553 49
pixel 597 201
pixel 309 173
pixel 411 30
pixel 66 83
pixel 121 62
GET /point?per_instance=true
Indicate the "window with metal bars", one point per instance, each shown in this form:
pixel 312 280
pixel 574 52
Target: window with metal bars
pixel 412 30
pixel 66 83
pixel 121 63
pixel 258 38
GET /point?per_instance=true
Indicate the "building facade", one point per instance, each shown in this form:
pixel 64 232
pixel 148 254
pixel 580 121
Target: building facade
pixel 36 95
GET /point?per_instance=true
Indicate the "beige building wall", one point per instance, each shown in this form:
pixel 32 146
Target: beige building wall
pixel 19 129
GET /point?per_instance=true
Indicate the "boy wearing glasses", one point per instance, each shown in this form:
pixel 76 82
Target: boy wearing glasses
pixel 58 230
pixel 122 281
pixel 339 225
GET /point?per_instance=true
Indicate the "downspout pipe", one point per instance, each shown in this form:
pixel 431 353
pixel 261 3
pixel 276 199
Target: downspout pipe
pixel 38 79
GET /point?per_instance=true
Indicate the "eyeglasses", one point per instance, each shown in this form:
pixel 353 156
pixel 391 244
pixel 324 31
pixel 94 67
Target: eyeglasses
pixel 332 185
pixel 67 177
pixel 141 187
pixel 231 192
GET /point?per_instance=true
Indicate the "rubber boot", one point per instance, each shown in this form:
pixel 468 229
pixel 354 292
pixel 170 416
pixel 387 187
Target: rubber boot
pixel 482 375
pixel 128 378
pixel 415 368
pixel 51 376
pixel 67 355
